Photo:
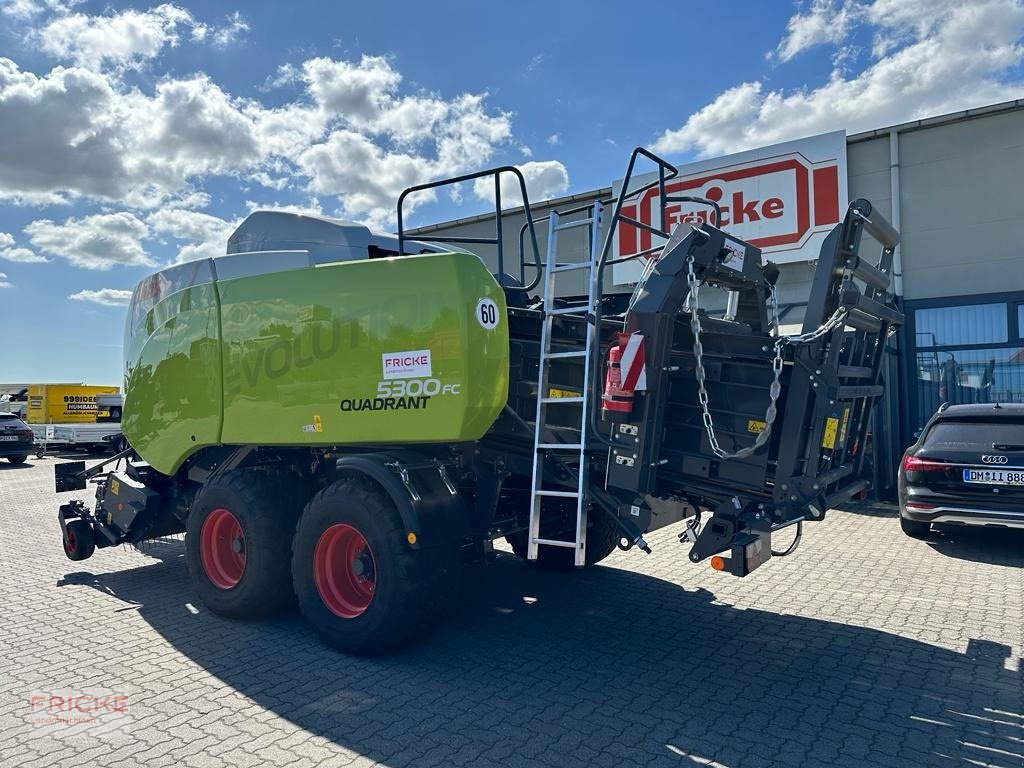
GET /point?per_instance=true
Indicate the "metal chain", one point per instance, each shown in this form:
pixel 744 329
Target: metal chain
pixel 774 389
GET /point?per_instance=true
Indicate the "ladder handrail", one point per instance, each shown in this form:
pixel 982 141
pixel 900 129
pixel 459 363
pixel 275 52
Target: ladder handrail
pixel 498 239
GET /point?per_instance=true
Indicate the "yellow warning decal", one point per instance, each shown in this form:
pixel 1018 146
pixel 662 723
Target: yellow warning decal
pixel 756 427
pixel 846 423
pixel 115 486
pixel 828 440
pixel 552 392
pixel 318 426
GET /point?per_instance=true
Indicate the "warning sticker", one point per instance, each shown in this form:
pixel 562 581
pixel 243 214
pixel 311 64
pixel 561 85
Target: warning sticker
pixel 828 440
pixel 846 423
pixel 553 392
pixel 756 427
pixel 735 255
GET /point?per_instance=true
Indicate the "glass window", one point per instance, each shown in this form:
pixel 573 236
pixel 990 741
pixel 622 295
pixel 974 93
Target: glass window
pixel 959 326
pixel 986 434
pixel 968 376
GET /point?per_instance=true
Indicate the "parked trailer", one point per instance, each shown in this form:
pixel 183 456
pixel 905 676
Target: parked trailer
pixel 94 437
pixel 349 417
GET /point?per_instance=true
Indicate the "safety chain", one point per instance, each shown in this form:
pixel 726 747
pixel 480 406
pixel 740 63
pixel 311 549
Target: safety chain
pixel 838 318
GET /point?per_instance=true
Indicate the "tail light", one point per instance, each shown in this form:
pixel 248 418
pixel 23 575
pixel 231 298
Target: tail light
pixel 914 464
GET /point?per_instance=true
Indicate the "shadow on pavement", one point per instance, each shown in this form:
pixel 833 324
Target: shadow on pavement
pixel 6 465
pixel 995 546
pixel 607 667
pixel 871 508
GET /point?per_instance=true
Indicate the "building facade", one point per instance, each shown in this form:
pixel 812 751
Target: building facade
pixel 953 186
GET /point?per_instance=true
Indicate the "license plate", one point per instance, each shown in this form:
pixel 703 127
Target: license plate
pixel 994 476
pixel 10 438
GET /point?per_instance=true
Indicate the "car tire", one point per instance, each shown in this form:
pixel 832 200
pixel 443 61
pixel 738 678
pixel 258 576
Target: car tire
pixel 359 583
pixel 238 542
pixel 602 538
pixel 80 540
pixel 19 459
pixel 915 529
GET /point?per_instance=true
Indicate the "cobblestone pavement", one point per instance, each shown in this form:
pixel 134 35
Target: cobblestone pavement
pixel 864 648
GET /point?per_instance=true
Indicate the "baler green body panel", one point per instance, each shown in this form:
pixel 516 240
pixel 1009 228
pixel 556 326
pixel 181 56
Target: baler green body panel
pixel 371 351
pixel 172 402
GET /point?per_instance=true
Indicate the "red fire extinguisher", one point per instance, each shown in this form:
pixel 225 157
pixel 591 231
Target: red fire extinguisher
pixel 616 402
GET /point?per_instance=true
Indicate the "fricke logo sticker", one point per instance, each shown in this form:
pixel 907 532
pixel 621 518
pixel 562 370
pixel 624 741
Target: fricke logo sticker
pixel 406 365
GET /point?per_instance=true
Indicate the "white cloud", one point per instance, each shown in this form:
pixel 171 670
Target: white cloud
pixel 554 139
pixel 108 297
pixel 951 57
pixel 824 22
pixel 10 253
pixel 230 32
pixel 4 283
pixel 74 132
pixel 357 91
pixel 125 39
pixel 207 235
pixel 119 39
pixel 544 179
pixel 369 178
pixel 28 9
pixel 100 241
pixel 22 255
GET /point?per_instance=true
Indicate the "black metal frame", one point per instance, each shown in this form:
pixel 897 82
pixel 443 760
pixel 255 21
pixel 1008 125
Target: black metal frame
pixel 498 239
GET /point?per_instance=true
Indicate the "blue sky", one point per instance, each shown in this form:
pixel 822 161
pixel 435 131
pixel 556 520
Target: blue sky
pixel 136 135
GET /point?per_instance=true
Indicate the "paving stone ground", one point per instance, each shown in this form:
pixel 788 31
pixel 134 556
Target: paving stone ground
pixel 865 648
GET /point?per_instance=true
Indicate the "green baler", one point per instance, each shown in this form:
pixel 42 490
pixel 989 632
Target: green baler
pixel 350 417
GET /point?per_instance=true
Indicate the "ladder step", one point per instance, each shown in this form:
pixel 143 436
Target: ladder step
pixel 562 355
pixel 572 266
pixel 560 446
pixel 575 309
pixel 559 494
pixel 556 543
pixel 561 399
pixel 571 224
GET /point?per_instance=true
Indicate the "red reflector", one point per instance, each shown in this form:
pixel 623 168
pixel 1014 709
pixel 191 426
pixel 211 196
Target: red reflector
pixel 923 507
pixel 914 464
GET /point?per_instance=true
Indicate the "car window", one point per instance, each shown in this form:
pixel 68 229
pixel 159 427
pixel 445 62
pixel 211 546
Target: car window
pixel 8 417
pixel 975 433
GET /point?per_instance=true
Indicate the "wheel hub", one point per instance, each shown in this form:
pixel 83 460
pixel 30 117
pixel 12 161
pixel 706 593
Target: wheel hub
pixel 344 571
pixel 222 549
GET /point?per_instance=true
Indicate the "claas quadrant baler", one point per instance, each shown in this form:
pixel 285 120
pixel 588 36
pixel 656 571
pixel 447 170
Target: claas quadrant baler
pixel 350 418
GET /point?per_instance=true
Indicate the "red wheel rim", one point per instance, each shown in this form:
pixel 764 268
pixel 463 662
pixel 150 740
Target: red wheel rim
pixel 72 541
pixel 222 549
pixel 344 571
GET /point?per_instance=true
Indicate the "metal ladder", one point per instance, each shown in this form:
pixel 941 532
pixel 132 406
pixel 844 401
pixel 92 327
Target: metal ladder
pixel 537 490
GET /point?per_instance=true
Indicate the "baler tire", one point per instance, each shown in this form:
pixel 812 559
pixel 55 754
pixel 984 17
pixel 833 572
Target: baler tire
pixel 265 507
pixel 19 459
pixel 80 542
pixel 410 587
pixel 602 538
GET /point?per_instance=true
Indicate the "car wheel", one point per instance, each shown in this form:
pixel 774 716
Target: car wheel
pixel 914 529
pixel 21 459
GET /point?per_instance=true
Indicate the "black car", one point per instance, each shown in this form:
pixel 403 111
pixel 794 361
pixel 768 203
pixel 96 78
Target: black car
pixel 966 468
pixel 16 441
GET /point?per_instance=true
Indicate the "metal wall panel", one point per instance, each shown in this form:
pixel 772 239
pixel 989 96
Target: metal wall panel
pixel 962 207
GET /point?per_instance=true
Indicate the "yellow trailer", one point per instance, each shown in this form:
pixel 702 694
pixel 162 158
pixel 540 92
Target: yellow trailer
pixel 64 403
